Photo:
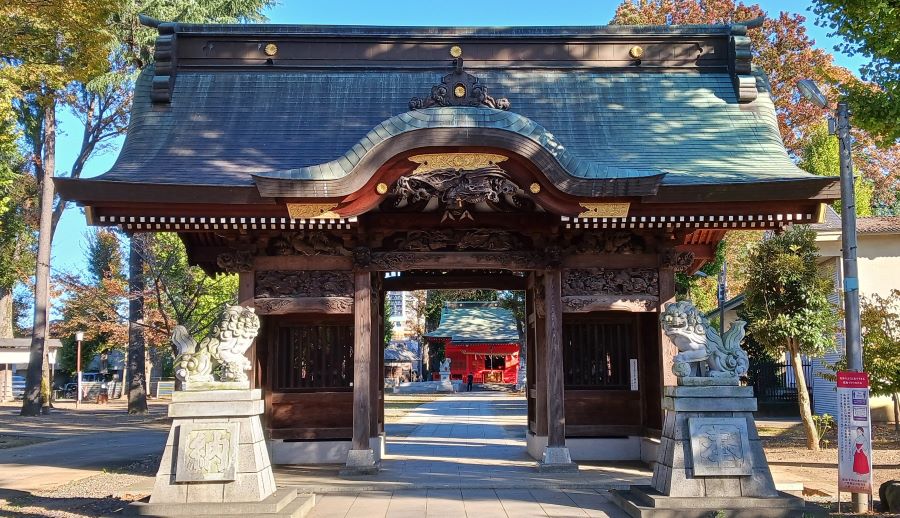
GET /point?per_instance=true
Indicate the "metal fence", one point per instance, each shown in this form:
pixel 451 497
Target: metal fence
pixel 775 382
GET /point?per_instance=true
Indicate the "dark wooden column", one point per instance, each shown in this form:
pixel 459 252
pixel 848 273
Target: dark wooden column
pixel 539 358
pixel 553 361
pixel 362 357
pixel 376 363
pixel 667 349
pixel 246 292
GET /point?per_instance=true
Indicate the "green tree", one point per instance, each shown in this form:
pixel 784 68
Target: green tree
pixel 787 306
pixel 880 322
pixel 178 293
pixel 870 28
pixel 45 47
pixel 821 156
pixel 95 302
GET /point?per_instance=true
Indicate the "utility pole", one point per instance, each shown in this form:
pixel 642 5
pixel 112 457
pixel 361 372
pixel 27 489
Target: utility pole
pixel 840 126
pixel 79 336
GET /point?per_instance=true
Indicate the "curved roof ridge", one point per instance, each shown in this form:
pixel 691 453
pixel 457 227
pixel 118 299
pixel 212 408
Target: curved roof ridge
pixel 457 117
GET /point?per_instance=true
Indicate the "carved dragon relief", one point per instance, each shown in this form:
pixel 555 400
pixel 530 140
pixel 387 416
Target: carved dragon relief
pixel 601 281
pixel 292 284
pixel 306 242
pixel 458 192
pixel 479 239
pixel 620 242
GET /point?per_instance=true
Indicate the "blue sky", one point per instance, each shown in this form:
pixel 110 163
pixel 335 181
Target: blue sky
pixel 69 243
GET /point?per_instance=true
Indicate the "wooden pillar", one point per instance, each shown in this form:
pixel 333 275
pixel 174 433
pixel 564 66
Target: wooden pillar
pixel 540 362
pixel 246 293
pixel 667 349
pixel 556 456
pixel 362 355
pixel 376 367
pixel 556 418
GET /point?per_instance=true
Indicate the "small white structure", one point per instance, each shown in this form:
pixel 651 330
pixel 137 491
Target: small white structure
pixel 14 353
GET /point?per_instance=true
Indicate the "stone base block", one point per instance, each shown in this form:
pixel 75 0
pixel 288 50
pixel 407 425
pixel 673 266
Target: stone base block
pixel 557 460
pixel 318 452
pixel 283 503
pixel 213 455
pixel 360 462
pixel 644 502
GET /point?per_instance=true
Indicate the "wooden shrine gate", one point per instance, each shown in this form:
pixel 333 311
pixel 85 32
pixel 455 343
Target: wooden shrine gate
pixel 596 365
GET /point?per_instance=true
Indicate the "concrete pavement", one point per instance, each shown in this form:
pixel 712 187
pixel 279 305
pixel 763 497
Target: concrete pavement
pixel 464 456
pixel 79 444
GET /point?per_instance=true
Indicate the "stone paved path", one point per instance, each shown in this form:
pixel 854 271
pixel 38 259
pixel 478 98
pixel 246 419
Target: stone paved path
pixel 464 456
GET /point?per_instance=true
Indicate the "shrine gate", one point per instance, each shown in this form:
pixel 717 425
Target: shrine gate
pixel 585 166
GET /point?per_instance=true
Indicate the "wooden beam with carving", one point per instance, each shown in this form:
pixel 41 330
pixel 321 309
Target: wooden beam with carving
pixel 397 261
pixel 587 304
pixel 287 306
pixel 611 261
pixel 493 281
pixel 302 262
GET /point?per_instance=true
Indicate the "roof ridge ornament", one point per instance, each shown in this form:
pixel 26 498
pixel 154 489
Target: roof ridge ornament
pixel 459 88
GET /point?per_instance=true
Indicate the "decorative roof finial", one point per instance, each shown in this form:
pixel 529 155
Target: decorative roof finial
pixel 459 88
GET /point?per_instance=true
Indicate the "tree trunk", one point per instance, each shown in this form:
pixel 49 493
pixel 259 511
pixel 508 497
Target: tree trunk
pixel 7 314
pixel 137 378
pixel 32 401
pixel 812 437
pixel 896 397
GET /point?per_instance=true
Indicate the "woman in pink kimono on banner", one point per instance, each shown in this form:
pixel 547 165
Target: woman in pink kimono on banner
pixel 860 459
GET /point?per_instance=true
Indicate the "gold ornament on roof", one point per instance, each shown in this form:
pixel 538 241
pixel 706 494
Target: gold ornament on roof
pixel 463 161
pixel 312 211
pixel 637 52
pixel 455 51
pixel 534 188
pixel 271 49
pixel 459 91
pixel 604 210
pixel 381 188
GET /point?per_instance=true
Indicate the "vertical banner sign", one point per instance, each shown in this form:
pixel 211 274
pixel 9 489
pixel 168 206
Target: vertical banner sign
pixel 634 373
pixel 854 433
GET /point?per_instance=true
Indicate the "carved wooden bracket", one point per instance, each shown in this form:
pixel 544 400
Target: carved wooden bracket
pixel 678 261
pixel 459 88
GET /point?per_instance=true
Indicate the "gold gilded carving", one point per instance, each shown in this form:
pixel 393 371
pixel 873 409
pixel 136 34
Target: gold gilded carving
pixel 637 52
pixel 534 188
pixel 271 49
pixel 604 210
pixel 459 91
pixel 312 210
pixel 381 188
pixel 432 162
pixel 455 51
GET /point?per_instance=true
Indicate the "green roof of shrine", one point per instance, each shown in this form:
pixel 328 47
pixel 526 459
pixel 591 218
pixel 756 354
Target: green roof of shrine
pixel 476 323
pixel 213 111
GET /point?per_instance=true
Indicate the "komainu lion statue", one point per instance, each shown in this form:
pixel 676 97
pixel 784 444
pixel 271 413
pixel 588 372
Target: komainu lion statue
pixel 219 357
pixel 701 351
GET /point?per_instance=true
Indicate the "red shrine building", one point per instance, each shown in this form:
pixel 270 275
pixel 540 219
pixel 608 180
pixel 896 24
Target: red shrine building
pixel 479 338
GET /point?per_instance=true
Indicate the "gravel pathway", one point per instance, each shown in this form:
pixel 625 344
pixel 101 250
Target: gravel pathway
pixel 98 495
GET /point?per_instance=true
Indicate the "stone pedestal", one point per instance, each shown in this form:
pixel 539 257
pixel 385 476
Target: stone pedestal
pixel 710 458
pixel 216 461
pixel 445 375
pixel 557 460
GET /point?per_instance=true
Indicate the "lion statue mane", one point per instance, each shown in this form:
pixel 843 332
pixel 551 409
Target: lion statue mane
pixel 701 350
pixel 219 357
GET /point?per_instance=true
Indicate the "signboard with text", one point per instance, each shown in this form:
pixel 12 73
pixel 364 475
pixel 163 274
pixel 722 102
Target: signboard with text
pixel 854 433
